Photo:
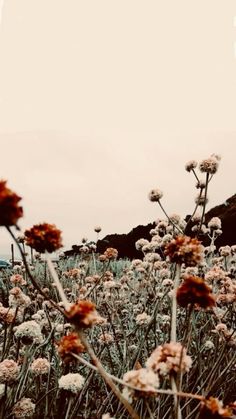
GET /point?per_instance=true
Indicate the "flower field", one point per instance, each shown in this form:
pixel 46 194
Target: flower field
pixel 95 336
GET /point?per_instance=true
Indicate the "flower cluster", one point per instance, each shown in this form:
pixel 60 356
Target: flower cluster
pixel 184 249
pixel 144 381
pixel 44 238
pixel 83 314
pixel 40 366
pixel 9 371
pixel 212 408
pixel 168 358
pixel 110 253
pixel 29 332
pixel 24 408
pixel 209 165
pixel 194 290
pixel 70 344
pixel 71 382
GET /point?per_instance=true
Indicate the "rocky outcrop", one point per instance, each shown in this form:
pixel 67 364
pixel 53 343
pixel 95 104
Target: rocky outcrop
pixel 227 213
pixel 125 243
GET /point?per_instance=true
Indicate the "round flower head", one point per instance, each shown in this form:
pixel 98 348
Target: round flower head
pixel 212 408
pixel 97 229
pixel 24 408
pixel 110 253
pixel 209 165
pixel 17 279
pixel 83 314
pixel 29 332
pixel 170 357
pixel 40 366
pixel 70 344
pixel 185 250
pixel 7 314
pixel 146 382
pixel 225 251
pixel 194 290
pixel 18 299
pixel 9 371
pixel 143 318
pixel 43 237
pixel 71 382
pixel 190 165
pixel 155 195
pixel 214 223
pixel 105 338
pixel 201 184
pixel 201 200
pixel 10 211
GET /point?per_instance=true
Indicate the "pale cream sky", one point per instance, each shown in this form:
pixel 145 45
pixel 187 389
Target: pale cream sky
pixel 100 101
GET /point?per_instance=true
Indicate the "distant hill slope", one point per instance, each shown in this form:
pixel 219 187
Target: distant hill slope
pixel 227 213
pixel 125 243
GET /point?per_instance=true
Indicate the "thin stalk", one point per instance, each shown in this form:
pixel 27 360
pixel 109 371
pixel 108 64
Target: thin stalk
pixel 204 204
pixel 174 304
pixel 57 282
pixel 159 391
pixel 69 407
pixel 32 279
pixel 168 218
pixel 106 377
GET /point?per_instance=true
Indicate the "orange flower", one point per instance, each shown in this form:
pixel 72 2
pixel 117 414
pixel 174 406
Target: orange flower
pixel 43 237
pixel 83 314
pixel 213 409
pixel 10 211
pixel 185 250
pixel 194 290
pixel 110 253
pixel 68 344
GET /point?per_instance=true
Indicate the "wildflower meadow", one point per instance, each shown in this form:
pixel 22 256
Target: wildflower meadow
pixel 95 336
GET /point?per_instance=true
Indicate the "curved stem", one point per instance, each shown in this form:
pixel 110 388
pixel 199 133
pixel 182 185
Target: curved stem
pixel 32 279
pixel 168 218
pixel 158 391
pixel 107 377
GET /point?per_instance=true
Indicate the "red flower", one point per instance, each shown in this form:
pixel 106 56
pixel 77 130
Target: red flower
pixel 194 290
pixel 70 344
pixel 10 211
pixel 83 314
pixel 43 237
pixel 185 250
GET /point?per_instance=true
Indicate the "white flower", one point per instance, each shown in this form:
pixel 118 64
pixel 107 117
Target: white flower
pixel 225 251
pixel 209 345
pixel 190 165
pixel 143 318
pixel 143 379
pixel 71 382
pixel 140 243
pixel 9 371
pixel 155 195
pixel 209 165
pixel 40 366
pixel 30 330
pixel 18 299
pixel 214 223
